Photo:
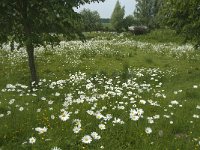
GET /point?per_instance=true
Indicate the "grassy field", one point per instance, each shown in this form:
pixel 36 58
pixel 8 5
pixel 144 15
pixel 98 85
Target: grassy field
pixel 115 91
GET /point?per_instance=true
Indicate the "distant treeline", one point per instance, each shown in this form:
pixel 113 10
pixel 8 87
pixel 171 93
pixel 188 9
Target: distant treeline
pixel 105 20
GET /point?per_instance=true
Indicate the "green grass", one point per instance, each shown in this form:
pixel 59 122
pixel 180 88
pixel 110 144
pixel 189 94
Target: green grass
pixel 154 36
pixel 111 74
pixel 161 36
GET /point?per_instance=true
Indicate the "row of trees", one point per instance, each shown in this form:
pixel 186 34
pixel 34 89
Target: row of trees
pixel 91 20
pixel 146 13
pixel 180 15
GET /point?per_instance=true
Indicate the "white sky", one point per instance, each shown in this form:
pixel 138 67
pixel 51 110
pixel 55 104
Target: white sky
pixel 105 9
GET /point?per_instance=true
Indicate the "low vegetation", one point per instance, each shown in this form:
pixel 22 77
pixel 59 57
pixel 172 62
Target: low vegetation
pixel 114 91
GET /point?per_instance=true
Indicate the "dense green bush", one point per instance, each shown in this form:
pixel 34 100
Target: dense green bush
pixel 184 17
pixel 91 20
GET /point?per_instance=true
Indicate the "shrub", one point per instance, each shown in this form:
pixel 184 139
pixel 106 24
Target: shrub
pixel 137 30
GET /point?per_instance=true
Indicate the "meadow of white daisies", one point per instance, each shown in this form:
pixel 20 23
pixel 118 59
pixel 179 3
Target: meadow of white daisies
pixel 110 92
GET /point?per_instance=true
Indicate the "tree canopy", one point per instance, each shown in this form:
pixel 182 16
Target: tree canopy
pixel 129 21
pixel 38 18
pixel 184 17
pixel 117 17
pixel 91 20
pixel 36 22
pixel 146 12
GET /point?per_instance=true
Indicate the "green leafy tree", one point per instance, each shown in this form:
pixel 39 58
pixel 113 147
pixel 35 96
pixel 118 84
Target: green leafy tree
pixel 129 21
pixel 117 17
pixel 184 17
pixel 146 12
pixel 91 20
pixel 38 22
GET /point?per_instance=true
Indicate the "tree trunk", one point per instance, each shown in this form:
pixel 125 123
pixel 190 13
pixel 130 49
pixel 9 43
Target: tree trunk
pixel 12 46
pixel 29 41
pixel 31 63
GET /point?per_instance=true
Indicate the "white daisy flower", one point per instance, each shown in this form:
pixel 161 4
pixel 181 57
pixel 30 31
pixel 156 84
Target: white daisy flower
pixel 148 130
pixel 64 116
pixel 41 130
pixel 32 140
pixel 102 126
pixel 174 102
pixel 86 139
pixel 56 148
pixel 57 94
pixel 198 107
pixel 95 136
pixel 195 86
pixel 21 108
pixel 76 129
pixel 142 102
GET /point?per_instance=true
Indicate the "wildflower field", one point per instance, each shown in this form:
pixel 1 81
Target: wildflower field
pixel 114 91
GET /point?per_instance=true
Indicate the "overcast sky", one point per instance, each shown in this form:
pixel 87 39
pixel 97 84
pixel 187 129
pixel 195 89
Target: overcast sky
pixel 105 9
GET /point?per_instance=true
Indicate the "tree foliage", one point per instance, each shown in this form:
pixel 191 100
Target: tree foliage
pixel 91 20
pixel 184 17
pixel 36 22
pixel 117 17
pixel 129 21
pixel 146 12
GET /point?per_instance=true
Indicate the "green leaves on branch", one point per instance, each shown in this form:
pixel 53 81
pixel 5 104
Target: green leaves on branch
pixel 184 17
pixel 39 20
